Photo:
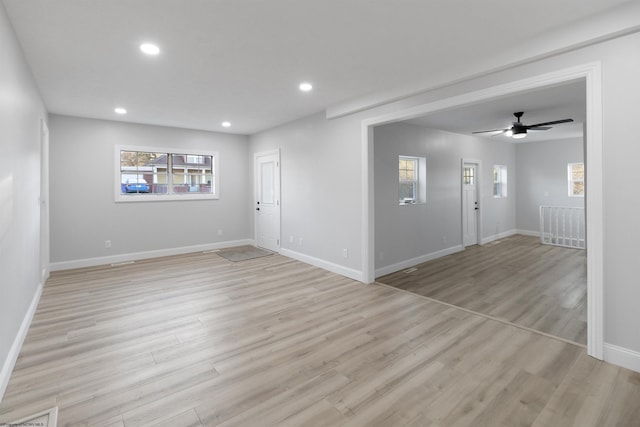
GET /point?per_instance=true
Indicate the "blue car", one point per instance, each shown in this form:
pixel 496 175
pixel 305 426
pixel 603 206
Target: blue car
pixel 138 185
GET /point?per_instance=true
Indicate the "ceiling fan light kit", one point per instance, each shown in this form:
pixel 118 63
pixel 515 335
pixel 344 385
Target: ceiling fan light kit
pixel 518 130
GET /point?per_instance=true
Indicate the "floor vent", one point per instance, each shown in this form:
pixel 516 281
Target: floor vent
pixel 410 270
pixel 118 264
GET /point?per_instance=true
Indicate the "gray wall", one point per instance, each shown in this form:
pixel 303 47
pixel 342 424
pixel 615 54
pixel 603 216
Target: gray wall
pixel 21 110
pixel 83 211
pixel 541 170
pixel 406 232
pixel 321 187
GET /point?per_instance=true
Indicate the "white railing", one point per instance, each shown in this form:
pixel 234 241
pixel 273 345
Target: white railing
pixel 562 226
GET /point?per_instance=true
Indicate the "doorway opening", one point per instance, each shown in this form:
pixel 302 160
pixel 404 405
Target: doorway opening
pixel 591 74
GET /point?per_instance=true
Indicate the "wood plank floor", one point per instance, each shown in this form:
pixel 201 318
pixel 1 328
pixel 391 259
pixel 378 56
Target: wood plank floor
pixel 197 340
pixel 516 279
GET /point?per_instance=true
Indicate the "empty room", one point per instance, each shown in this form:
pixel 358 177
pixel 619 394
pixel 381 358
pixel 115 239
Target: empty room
pixel 354 213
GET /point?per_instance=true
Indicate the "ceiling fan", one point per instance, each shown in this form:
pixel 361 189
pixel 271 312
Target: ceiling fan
pixel 519 130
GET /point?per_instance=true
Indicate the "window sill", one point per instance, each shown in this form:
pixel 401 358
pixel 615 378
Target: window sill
pixel 121 198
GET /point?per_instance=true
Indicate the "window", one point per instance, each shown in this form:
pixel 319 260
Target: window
pixel 154 174
pixel 412 180
pixel 408 179
pixel 576 179
pixel 468 176
pixel 499 181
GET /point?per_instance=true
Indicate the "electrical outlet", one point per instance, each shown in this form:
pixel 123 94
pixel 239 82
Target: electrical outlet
pixel 300 241
pixel 220 232
pixel 345 253
pixel 107 244
pixel 444 239
pixel 290 239
pixel 381 256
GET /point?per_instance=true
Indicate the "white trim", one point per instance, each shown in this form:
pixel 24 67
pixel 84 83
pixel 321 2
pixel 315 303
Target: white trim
pixel 478 198
pixel 133 256
pixel 622 357
pixel 417 260
pixel 592 72
pixel 326 265
pixel 533 233
pixel 499 236
pixel 12 357
pixel 45 228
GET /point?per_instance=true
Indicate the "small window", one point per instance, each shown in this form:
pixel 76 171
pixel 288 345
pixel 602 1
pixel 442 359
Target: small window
pixel 149 174
pixel 576 179
pixel 412 172
pixel 408 179
pixel 469 177
pixel 499 181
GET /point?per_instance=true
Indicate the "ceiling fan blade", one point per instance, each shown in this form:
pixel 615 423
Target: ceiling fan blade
pixel 555 122
pixel 541 128
pixel 487 131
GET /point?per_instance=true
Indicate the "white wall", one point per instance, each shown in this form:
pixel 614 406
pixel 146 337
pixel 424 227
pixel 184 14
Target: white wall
pixel 21 109
pixel 541 170
pixel 321 190
pixel 83 211
pixel 409 232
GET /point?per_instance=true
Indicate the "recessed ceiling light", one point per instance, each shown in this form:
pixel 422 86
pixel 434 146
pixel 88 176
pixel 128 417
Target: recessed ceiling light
pixel 226 124
pixel 150 49
pixel 305 87
pixel 120 110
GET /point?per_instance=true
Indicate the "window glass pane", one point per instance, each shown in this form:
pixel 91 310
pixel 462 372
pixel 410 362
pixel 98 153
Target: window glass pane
pixel 468 176
pixel 137 171
pixel 191 173
pixel 576 179
pixel 407 191
pixel 499 181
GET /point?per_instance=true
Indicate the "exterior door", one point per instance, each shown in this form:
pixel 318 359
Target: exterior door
pixel 267 195
pixel 470 204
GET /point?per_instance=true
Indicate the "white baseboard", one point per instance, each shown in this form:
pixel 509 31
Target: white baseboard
pixel 326 265
pixel 14 351
pixel 621 356
pixel 498 236
pixel 417 260
pixel 533 233
pixel 114 259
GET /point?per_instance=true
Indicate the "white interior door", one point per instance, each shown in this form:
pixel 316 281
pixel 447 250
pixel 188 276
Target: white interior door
pixel 470 204
pixel 267 195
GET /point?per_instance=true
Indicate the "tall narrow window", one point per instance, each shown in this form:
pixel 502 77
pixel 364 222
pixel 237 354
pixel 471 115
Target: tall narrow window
pixel 499 181
pixel 576 179
pixel 412 173
pixel 408 179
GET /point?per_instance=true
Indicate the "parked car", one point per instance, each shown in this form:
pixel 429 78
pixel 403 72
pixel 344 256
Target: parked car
pixel 136 185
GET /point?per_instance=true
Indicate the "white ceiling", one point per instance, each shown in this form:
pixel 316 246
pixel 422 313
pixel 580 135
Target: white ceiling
pixel 242 60
pixel 543 105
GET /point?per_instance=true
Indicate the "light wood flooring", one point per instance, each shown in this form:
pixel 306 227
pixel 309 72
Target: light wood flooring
pixel 516 279
pixel 197 340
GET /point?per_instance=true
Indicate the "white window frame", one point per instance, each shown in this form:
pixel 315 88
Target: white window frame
pixel 499 181
pixel 155 197
pixel 571 182
pixel 419 183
